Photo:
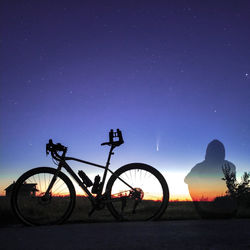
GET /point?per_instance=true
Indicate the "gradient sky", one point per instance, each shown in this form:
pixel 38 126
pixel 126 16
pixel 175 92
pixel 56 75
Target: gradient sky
pixel 172 75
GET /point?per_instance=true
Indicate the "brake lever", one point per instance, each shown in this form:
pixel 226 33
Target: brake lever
pixel 48 146
pixel 47 150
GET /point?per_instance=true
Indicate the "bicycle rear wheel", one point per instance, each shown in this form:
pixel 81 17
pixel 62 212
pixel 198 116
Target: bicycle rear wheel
pixel 33 207
pixel 137 192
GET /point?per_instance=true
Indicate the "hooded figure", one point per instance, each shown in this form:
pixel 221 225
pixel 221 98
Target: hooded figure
pixel 205 179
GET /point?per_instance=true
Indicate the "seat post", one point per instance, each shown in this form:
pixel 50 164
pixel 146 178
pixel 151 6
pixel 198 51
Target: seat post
pixel 107 166
pixel 109 156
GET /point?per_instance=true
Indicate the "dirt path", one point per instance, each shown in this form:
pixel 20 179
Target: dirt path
pixel 188 234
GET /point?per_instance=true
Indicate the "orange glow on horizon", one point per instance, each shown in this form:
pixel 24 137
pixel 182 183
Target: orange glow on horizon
pixel 207 190
pixel 171 199
pixel 178 190
pixel 174 198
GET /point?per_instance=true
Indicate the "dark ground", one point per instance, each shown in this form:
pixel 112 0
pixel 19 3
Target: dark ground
pixel 182 234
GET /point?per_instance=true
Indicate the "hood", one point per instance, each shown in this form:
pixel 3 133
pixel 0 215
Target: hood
pixel 215 151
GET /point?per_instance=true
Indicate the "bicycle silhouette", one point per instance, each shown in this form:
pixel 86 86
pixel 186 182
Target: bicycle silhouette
pixel 135 191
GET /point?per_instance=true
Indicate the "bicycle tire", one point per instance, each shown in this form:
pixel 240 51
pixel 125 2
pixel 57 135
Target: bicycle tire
pixel 150 207
pixel 31 206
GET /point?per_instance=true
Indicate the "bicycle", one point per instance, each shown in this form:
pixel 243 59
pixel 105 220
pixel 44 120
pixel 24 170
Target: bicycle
pixel 45 195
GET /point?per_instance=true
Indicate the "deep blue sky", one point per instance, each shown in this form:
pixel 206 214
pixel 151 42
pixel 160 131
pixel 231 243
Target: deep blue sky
pixel 169 74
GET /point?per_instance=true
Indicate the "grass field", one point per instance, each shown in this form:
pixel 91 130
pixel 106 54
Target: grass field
pixel 176 210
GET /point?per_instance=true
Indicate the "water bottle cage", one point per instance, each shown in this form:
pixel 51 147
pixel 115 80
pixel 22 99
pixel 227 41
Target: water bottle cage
pixel 97 185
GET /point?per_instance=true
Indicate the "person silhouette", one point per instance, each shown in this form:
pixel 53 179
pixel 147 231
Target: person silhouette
pixel 205 181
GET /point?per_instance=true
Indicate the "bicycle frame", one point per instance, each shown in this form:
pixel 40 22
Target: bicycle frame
pixel 62 163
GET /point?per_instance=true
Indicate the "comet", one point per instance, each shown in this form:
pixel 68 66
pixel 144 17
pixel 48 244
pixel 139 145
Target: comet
pixel 157 145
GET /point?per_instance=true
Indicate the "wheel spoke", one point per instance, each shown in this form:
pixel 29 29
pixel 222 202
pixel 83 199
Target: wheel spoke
pixel 147 200
pixel 31 204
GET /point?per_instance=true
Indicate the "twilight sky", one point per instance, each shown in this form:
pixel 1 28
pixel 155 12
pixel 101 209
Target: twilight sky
pixel 172 75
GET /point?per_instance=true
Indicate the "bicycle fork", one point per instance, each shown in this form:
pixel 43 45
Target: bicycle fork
pixel 52 182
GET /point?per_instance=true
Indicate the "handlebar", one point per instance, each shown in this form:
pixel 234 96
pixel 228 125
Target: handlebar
pixel 55 148
pixel 113 138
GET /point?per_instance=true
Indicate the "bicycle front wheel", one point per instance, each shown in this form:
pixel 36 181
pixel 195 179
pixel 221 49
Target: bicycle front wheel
pixel 137 192
pixel 34 205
